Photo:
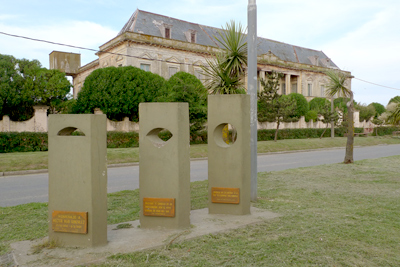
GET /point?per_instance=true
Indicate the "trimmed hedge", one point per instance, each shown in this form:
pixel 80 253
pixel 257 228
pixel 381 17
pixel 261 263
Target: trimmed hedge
pixel 122 139
pixel 268 135
pixel 23 142
pixel 28 142
pixel 385 130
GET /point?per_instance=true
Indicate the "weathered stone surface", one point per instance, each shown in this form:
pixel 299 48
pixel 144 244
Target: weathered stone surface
pixel 78 176
pixel 229 164
pixel 164 170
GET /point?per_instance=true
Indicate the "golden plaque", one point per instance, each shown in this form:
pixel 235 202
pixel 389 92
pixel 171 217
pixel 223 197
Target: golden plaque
pixel 161 207
pixel 69 222
pixel 225 195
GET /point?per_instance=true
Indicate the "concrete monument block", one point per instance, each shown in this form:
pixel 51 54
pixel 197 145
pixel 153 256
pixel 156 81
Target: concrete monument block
pixel 78 180
pixel 164 172
pixel 65 62
pixel 229 163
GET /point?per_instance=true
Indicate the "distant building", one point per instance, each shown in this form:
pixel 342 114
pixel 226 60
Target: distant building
pixel 165 45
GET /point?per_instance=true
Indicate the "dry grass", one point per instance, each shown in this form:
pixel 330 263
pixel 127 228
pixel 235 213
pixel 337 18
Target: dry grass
pixel 333 215
pixel 49 244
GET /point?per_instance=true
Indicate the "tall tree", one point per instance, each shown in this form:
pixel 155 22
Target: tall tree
pixel 271 105
pixel 366 112
pixel 328 116
pixel 24 83
pixel 337 86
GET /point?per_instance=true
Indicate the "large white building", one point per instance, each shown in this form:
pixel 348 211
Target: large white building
pixel 165 45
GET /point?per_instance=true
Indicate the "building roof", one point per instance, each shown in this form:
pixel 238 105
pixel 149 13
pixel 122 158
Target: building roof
pixel 153 24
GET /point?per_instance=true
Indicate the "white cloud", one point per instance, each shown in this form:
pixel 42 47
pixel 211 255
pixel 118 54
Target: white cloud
pixel 7 17
pixel 371 53
pixel 77 33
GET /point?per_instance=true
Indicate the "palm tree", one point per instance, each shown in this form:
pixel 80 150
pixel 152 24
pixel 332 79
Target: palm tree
pixel 221 81
pixel 337 86
pixel 226 70
pixel 394 114
pixel 233 42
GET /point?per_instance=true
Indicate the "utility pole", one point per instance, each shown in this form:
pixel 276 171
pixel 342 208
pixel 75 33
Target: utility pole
pixel 332 124
pixel 252 89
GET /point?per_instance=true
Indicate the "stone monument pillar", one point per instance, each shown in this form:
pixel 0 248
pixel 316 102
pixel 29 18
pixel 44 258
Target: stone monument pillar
pixel 78 180
pixel 164 172
pixel 229 164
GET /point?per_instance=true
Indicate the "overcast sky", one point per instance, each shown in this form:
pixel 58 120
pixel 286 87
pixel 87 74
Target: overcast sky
pixel 360 36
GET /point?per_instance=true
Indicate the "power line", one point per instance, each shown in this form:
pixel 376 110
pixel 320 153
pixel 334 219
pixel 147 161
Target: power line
pixel 132 56
pixel 95 50
pixel 377 84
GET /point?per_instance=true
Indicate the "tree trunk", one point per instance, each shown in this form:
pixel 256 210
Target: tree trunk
pixel 332 122
pixel 276 132
pixel 350 133
pixel 324 131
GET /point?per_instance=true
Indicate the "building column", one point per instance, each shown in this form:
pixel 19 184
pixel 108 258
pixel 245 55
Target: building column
pixel 160 65
pixel 288 84
pixel 186 67
pixel 262 76
pixel 300 84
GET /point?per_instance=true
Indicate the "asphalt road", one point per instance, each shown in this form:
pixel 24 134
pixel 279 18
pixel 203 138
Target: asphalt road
pixel 15 190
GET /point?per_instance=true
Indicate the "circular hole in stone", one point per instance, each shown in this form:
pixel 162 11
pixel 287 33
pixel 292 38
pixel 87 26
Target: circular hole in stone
pixel 225 135
pixel 159 136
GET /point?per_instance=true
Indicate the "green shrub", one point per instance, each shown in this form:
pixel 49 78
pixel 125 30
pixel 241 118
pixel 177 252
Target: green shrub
pixel 118 92
pixel 318 103
pixel 23 142
pixel 341 103
pixel 311 115
pixel 268 135
pixel 385 130
pixel 366 112
pixel 185 87
pixel 30 142
pixel 379 108
pixel 302 106
pixel 199 137
pixel 122 139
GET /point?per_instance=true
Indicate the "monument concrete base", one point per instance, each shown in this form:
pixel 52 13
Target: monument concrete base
pixel 128 240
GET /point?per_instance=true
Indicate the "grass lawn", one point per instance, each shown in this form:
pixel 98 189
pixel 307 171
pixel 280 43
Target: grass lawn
pixel 38 160
pixel 332 215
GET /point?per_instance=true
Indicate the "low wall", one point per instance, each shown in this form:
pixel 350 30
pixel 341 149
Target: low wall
pixel 38 123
